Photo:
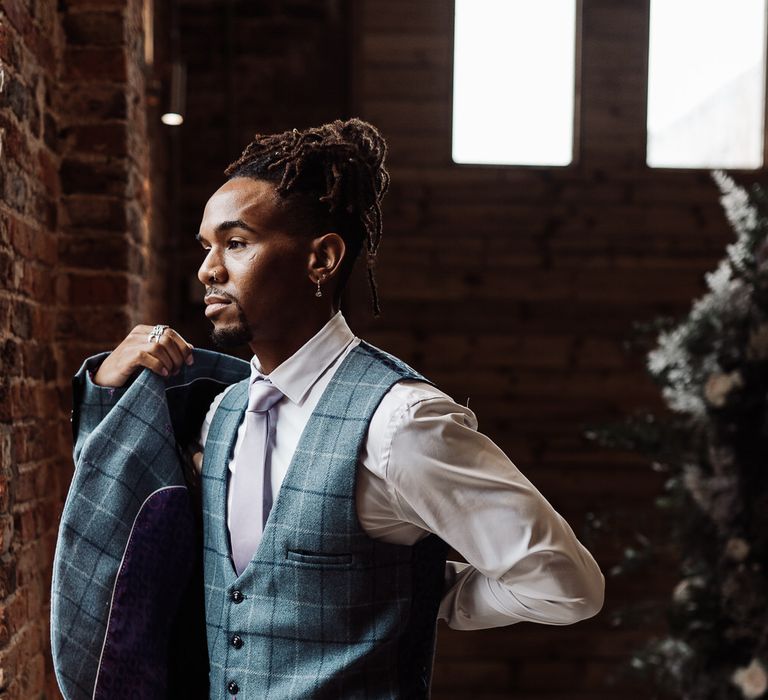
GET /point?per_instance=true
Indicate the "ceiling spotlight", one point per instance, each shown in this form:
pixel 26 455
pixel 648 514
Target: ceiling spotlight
pixel 175 113
pixel 172 119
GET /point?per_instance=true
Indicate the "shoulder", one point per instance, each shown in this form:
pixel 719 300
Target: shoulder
pixel 414 399
pixel 413 392
pixel 413 413
pixel 387 360
pixel 409 398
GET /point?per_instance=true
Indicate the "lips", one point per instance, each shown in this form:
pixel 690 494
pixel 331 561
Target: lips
pixel 214 304
pixel 214 299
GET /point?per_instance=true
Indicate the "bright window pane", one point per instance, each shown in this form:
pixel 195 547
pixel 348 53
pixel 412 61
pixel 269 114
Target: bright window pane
pixel 706 83
pixel 513 81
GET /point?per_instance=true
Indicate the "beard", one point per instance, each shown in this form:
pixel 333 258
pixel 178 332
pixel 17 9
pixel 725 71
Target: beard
pixel 233 336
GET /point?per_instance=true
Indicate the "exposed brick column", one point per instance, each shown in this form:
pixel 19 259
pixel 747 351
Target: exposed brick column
pixel 105 244
pixel 32 424
pixel 79 267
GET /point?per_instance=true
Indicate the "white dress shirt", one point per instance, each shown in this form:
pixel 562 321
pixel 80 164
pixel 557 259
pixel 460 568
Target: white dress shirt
pixel 425 468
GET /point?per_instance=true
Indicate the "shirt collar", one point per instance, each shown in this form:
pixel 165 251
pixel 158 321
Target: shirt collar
pixel 296 375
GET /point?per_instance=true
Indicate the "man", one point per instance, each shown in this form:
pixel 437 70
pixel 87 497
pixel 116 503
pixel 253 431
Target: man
pixel 332 477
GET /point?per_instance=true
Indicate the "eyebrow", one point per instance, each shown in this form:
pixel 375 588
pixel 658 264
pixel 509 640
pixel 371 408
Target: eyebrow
pixel 227 225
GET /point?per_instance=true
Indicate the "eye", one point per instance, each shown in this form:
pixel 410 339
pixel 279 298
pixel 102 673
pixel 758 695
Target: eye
pixel 232 241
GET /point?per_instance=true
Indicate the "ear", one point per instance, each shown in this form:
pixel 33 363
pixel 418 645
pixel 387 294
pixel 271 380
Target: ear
pixel 326 253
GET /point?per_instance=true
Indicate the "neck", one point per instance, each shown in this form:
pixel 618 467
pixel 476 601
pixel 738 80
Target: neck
pixel 273 351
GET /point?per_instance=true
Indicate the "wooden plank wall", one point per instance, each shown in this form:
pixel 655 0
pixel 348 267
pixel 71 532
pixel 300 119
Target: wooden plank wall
pixel 516 287
pixel 253 67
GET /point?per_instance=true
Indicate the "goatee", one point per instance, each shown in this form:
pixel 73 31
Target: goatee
pixel 232 337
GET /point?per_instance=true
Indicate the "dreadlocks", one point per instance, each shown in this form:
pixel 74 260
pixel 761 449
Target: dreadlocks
pixel 330 177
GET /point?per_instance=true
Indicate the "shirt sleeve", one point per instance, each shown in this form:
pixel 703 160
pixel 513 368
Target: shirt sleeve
pixel 524 562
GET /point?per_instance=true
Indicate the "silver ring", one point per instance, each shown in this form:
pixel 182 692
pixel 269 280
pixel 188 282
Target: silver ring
pixel 213 277
pixel 156 332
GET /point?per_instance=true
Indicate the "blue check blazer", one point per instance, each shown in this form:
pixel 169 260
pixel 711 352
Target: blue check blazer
pixel 127 617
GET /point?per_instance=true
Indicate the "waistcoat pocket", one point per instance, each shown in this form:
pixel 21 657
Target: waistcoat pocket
pixel 302 556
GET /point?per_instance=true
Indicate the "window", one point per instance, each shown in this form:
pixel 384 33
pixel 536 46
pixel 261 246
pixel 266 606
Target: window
pixel 514 81
pixel 706 80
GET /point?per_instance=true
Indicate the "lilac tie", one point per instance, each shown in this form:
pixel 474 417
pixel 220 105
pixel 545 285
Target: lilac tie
pixel 251 482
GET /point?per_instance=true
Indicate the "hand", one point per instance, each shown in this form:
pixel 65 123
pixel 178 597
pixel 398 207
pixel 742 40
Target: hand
pixel 164 356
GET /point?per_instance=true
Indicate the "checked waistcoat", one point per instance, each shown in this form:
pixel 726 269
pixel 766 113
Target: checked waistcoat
pixel 322 610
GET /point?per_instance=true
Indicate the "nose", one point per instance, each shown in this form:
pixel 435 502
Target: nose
pixel 211 270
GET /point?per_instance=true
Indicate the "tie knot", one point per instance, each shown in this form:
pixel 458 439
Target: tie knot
pixel 262 395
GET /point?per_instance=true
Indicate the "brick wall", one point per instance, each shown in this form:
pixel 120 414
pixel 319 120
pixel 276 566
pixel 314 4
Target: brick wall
pixel 75 257
pixel 105 262
pixel 29 479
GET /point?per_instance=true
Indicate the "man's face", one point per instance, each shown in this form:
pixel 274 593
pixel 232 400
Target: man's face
pixel 261 270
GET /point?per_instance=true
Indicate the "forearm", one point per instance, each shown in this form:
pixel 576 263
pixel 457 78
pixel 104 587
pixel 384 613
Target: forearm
pixel 550 588
pixel 525 562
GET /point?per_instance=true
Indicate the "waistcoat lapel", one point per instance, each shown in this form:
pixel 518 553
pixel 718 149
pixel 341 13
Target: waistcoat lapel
pixel 219 447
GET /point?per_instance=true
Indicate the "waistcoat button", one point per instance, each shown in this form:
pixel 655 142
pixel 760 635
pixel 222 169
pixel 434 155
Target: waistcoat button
pixel 237 641
pixel 233 688
pixel 237 596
